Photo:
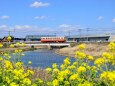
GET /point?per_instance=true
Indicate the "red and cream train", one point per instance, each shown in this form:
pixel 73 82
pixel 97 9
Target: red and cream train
pixel 53 39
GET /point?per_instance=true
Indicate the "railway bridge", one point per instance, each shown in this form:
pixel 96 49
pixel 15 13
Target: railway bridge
pixel 50 45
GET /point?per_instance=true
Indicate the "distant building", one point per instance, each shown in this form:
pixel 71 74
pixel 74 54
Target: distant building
pixel 90 38
pixel 37 37
pixel 19 39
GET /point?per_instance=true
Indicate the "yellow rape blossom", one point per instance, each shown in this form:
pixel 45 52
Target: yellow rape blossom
pixel 23 44
pixel 108 75
pixel 85 84
pixel 61 79
pixel 18 64
pixel 112 46
pixel 23 54
pixel 48 70
pixel 20 50
pixel 55 70
pixel 67 71
pixel 71 67
pixel 1 45
pixel 66 83
pixel 1 58
pixel 55 82
pixel 16 51
pixel 27 81
pixel 8 64
pixel 7 79
pixel 62 66
pixel 75 63
pixel 63 73
pixel 19 73
pixel 80 55
pixel 14 84
pixel 90 57
pixel 9 38
pixel 81 46
pixel 11 45
pixel 106 55
pixel 54 65
pixel 81 69
pixel 73 77
pixel 29 62
pixel 18 44
pixel 99 61
pixel 66 61
pixel 30 72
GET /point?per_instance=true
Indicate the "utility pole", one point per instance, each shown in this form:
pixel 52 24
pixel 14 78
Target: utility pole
pixel 55 34
pixel 87 29
pixel 79 30
pixel 14 36
pixel 69 33
pixel 9 32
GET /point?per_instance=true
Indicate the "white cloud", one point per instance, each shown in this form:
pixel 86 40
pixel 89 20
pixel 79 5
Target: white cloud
pixel 100 18
pixel 68 27
pixel 113 20
pixel 4 17
pixel 40 17
pixel 19 27
pixel 3 27
pixel 64 26
pixel 39 4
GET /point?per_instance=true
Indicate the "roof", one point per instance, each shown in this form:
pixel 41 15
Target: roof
pixel 83 36
pixel 39 36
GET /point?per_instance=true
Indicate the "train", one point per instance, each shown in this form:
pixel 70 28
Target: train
pixel 52 39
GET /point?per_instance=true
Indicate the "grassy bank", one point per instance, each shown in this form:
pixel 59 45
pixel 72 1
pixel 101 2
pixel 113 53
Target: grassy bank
pixel 25 48
pixel 94 49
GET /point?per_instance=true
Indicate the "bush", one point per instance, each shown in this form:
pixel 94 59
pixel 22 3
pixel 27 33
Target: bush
pixel 32 46
pixel 85 71
pixel 5 45
pixel 73 44
pixel 13 73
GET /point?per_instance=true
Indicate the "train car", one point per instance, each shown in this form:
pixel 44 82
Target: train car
pixel 52 39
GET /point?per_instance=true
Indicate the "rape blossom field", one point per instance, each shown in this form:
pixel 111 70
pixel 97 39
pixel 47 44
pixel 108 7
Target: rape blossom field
pixel 77 73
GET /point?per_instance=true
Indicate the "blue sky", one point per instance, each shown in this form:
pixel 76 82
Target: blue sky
pixel 56 16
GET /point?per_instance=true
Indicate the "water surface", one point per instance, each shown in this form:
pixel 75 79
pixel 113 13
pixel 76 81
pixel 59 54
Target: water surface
pixel 43 58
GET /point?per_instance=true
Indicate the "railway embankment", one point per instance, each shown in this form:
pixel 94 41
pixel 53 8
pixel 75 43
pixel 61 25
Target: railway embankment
pixel 94 49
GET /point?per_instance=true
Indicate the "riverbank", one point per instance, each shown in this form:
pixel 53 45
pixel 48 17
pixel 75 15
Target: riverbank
pixel 94 49
pixel 26 48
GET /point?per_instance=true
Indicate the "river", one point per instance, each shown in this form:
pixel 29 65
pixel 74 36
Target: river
pixel 43 58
